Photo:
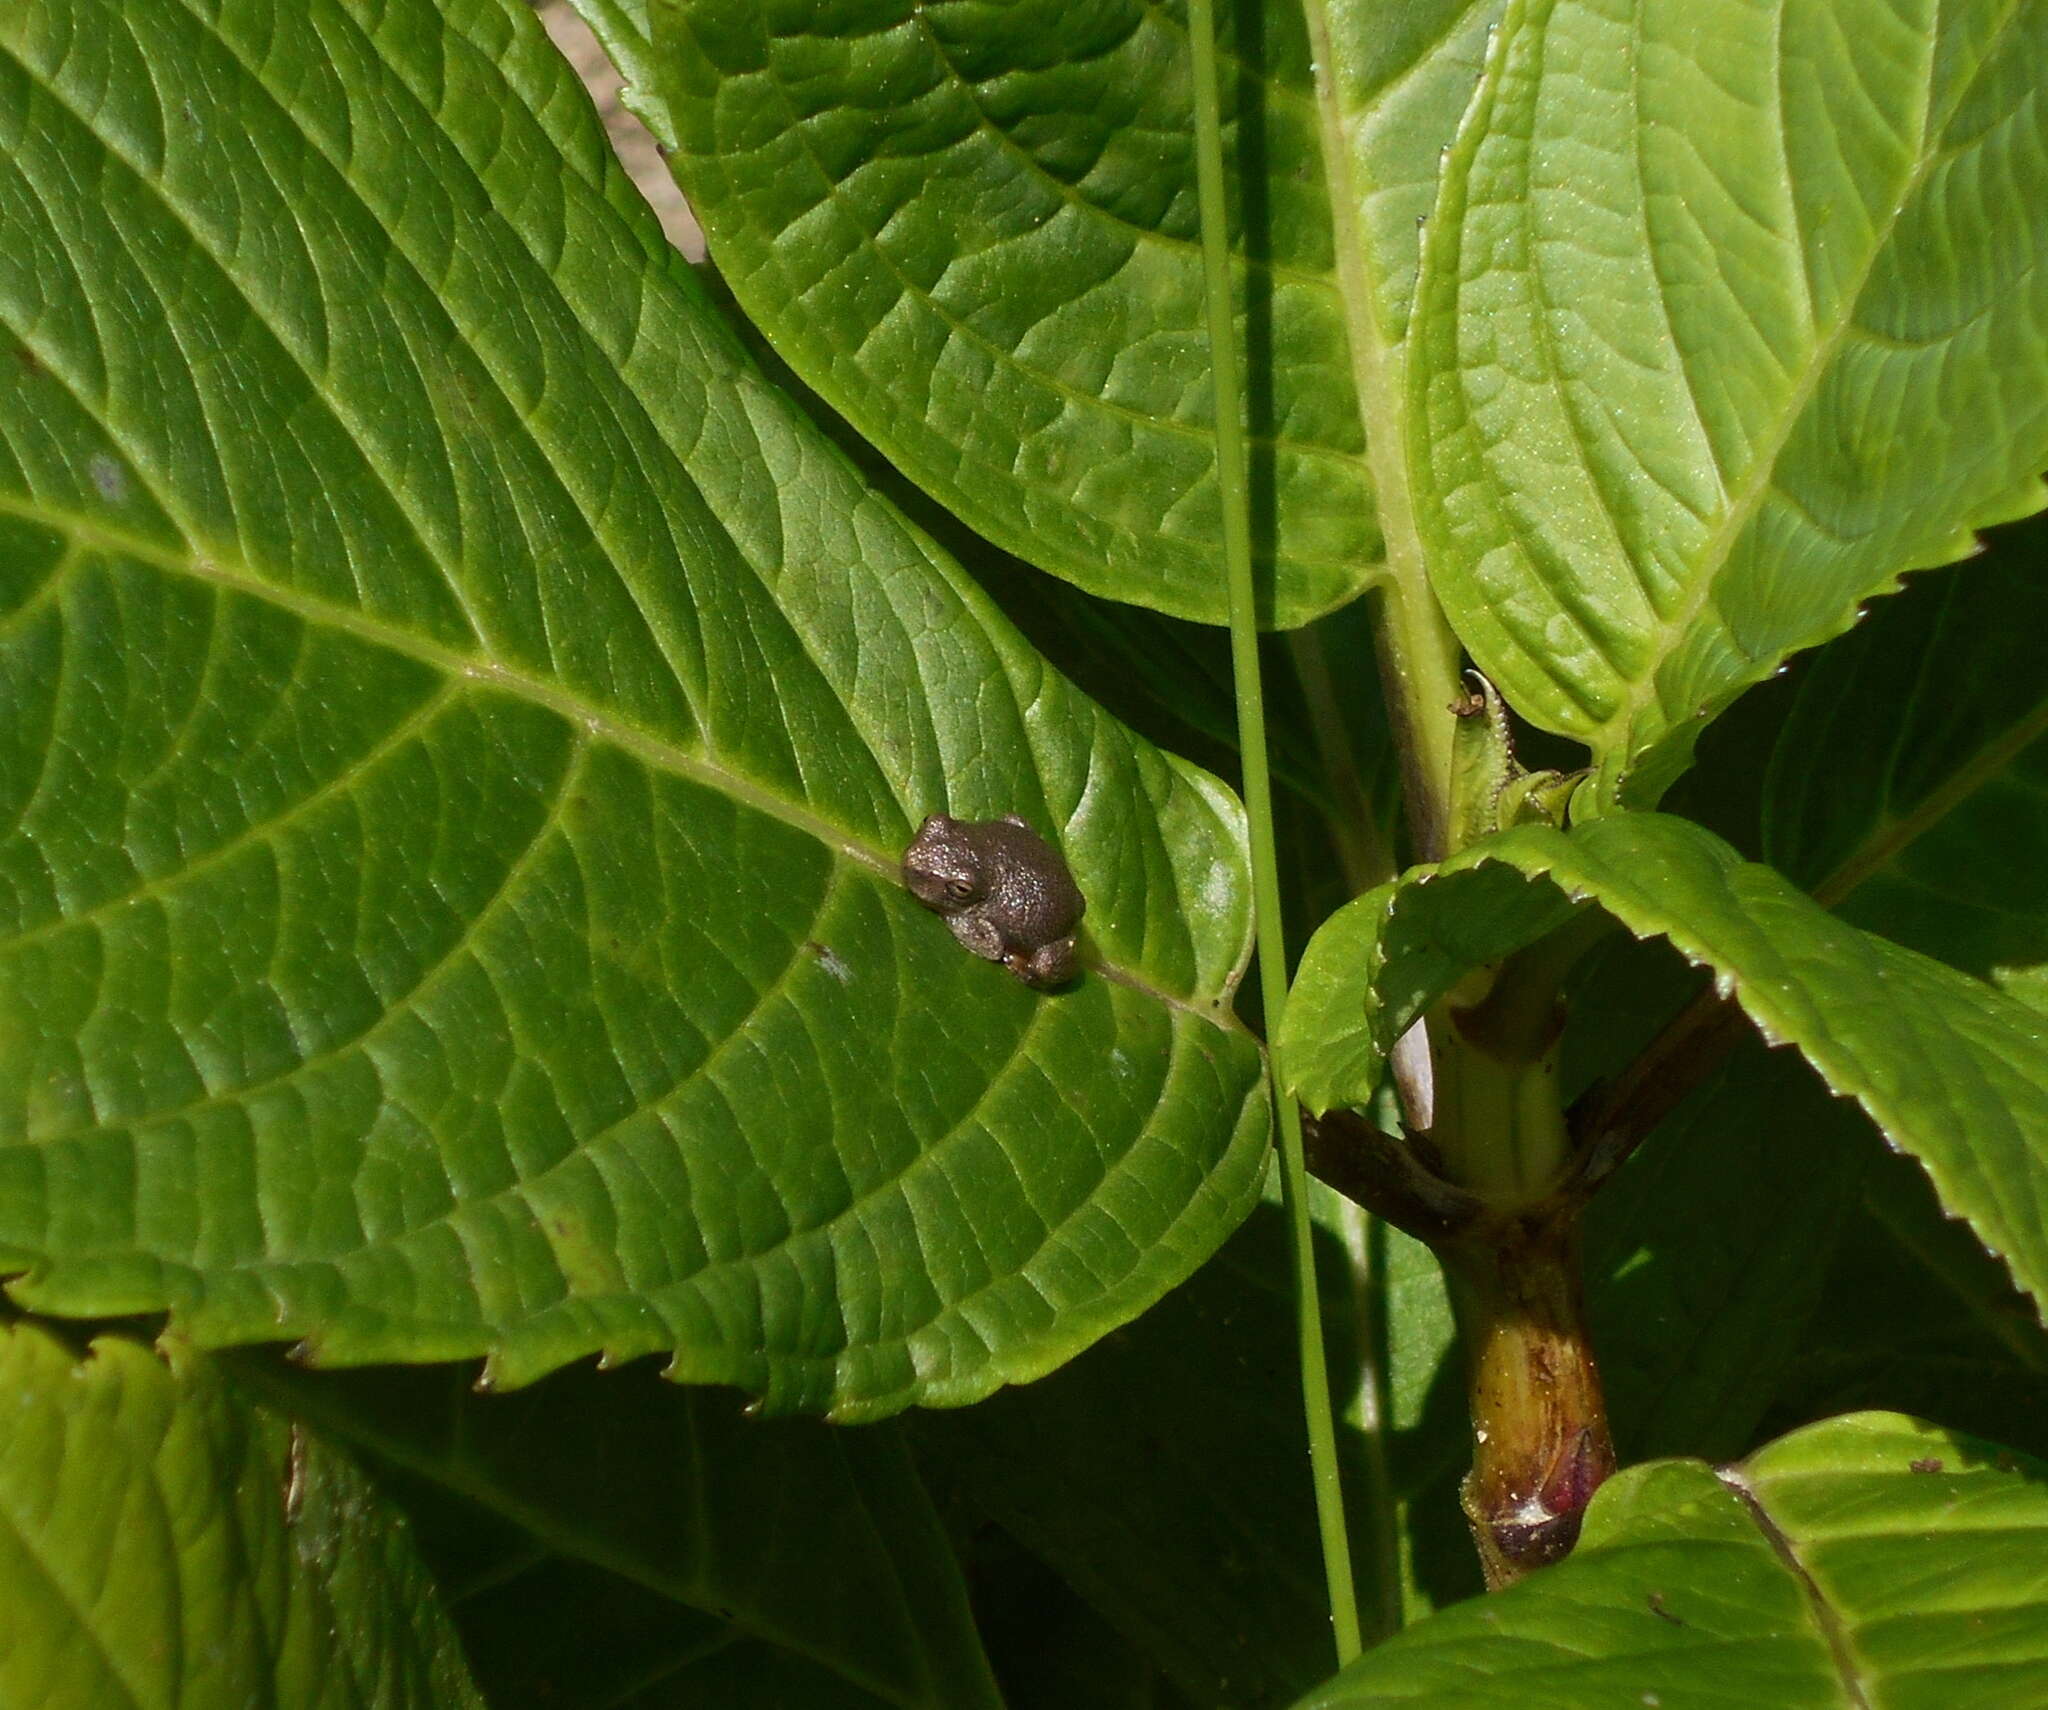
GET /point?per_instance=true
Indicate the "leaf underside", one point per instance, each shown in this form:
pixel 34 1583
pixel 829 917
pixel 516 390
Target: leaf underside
pixel 165 1545
pixel 460 726
pixel 1730 314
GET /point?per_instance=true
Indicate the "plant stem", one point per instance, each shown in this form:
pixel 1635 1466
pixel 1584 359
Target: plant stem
pixel 1418 661
pixel 1502 1228
pixel 1540 1443
pixel 1419 656
pixel 1232 471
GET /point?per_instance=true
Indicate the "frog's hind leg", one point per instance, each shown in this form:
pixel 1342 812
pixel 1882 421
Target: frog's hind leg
pixel 1048 966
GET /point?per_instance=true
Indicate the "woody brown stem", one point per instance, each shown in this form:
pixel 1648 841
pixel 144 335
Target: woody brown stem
pixel 1385 1176
pixel 1611 1121
pixel 1541 1445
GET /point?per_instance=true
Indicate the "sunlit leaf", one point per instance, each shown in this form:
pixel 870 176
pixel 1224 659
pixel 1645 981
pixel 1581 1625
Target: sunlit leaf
pixel 1871 1560
pixel 1729 315
pixel 972 229
pixel 166 1546
pixel 1951 1070
pixel 461 726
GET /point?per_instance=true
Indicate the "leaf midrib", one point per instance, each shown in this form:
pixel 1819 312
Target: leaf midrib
pixel 1894 833
pixel 1849 1676
pixel 658 752
pixel 218 569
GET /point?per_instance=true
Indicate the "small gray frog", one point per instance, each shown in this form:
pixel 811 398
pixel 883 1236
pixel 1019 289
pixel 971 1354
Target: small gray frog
pixel 1003 890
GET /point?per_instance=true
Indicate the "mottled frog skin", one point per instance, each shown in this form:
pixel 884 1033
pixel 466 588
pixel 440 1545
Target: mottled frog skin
pixel 1004 891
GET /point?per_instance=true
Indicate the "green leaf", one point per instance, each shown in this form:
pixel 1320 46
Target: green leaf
pixel 972 229
pixel 1870 1560
pixel 462 724
pixel 623 29
pixel 166 1545
pixel 1908 784
pixel 1091 1469
pixel 1707 1256
pixel 1360 987
pixel 1728 317
pixel 1950 1070
pixel 1168 679
pixel 664 1518
pixel 1917 1315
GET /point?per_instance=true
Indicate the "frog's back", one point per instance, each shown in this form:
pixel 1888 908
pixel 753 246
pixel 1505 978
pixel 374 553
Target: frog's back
pixel 1033 885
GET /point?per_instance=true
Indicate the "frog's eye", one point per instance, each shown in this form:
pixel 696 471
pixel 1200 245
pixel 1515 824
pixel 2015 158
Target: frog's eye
pixel 960 890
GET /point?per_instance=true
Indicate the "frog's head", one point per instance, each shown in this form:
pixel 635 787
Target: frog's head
pixel 943 867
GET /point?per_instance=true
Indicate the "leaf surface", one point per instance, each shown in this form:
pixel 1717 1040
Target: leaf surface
pixel 624 30
pixel 704 1545
pixel 1908 785
pixel 1091 1470
pixel 461 726
pixel 1916 1314
pixel 1870 1560
pixel 1949 1069
pixel 1167 678
pixel 1729 315
pixel 166 1545
pixel 972 229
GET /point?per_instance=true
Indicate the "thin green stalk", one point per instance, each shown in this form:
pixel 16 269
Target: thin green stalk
pixel 1258 800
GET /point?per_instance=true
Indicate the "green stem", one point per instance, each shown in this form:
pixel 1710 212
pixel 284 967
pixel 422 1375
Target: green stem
pixel 1231 470
pixel 1419 656
pixel 1499 1124
pixel 1499 1127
